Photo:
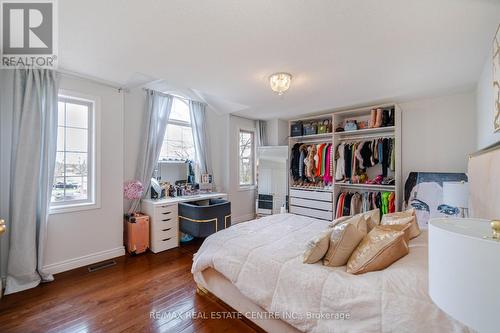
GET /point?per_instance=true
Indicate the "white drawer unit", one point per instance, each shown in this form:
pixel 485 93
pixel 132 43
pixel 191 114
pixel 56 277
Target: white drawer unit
pixel 164 244
pixel 312 195
pixel 316 213
pixel 164 212
pixel 317 204
pixel 163 226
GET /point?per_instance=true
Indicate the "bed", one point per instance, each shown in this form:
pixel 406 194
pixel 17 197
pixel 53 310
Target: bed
pixel 256 267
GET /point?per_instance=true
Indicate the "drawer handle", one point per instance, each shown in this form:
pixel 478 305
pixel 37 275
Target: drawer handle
pixel 166 213
pixel 166 239
pixel 166 229
pixel 165 220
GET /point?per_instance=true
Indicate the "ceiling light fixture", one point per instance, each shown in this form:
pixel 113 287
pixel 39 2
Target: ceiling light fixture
pixel 280 82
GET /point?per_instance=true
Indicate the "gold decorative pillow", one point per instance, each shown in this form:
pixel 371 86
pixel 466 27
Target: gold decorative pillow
pixel 345 236
pixel 337 221
pixel 317 247
pixel 404 227
pixel 372 218
pixel 378 250
pixel 397 218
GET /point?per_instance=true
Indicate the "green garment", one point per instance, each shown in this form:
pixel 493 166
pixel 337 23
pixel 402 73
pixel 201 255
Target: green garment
pixel 385 202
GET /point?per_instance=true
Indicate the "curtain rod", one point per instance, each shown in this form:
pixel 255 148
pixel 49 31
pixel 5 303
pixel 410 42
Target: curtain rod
pixel 185 99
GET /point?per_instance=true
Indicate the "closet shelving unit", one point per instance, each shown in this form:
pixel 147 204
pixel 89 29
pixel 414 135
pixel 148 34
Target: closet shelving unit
pixel 319 202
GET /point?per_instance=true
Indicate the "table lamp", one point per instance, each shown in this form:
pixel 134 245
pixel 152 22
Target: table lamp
pixel 456 194
pixel 464 271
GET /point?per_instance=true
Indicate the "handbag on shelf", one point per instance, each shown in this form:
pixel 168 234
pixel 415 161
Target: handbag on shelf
pixel 297 129
pixel 350 125
pixel 310 129
pixel 324 127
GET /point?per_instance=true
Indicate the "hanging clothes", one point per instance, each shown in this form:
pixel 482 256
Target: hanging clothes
pixel 294 161
pixel 348 160
pixel 302 157
pixel 323 160
pixel 309 162
pixel 366 154
pixel 340 164
pixel 393 156
pixel 392 202
pixel 327 178
pixel 385 203
pixel 354 158
pixel 385 156
pixel 312 164
pixel 354 203
pixel 347 205
pixel 340 205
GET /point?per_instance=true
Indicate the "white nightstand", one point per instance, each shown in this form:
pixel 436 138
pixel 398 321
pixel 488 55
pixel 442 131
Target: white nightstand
pixel 464 271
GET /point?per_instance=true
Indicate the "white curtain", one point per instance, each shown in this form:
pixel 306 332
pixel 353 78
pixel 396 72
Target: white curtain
pixel 261 133
pixel 28 143
pixel 200 138
pixel 158 107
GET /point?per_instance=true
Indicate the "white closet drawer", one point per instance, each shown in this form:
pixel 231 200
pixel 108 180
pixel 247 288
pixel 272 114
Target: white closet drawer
pixel 164 244
pixel 164 212
pixel 312 195
pixel 164 234
pixel 169 222
pixel 323 205
pixel 319 214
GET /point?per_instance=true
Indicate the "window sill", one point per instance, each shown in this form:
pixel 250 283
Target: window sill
pixel 244 188
pixel 172 161
pixel 73 208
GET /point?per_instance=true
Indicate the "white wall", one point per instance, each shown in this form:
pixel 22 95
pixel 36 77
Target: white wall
pixel 485 107
pixel 242 199
pixel 438 133
pixel 277 132
pixel 218 138
pixel 81 238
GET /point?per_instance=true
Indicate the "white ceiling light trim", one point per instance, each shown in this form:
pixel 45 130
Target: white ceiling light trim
pixel 280 82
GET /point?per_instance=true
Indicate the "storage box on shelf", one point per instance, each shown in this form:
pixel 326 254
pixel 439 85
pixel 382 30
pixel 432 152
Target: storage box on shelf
pixel 303 194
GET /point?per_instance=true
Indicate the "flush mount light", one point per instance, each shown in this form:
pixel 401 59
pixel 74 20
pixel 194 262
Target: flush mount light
pixel 280 82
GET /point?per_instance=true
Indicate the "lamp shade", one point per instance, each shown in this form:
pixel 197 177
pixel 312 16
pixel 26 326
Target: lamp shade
pixel 464 271
pixel 456 194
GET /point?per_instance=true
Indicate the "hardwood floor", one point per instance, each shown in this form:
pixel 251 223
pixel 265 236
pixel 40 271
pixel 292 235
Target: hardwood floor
pixel 119 299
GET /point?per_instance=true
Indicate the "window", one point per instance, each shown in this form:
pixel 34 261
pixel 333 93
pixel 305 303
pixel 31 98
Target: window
pixel 246 151
pixel 178 143
pixel 74 181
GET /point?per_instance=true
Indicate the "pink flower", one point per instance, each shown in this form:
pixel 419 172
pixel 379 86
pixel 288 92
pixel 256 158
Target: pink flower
pixel 133 190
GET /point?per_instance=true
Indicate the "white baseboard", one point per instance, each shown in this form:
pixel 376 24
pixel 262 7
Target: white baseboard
pixel 90 259
pixel 242 218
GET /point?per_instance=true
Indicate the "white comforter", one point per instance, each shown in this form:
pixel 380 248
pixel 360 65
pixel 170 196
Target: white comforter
pixel 263 259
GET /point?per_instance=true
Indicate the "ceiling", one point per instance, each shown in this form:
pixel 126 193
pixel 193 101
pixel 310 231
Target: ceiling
pixel 341 52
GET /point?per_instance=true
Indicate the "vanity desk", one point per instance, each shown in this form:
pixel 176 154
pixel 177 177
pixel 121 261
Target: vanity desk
pixel 164 219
